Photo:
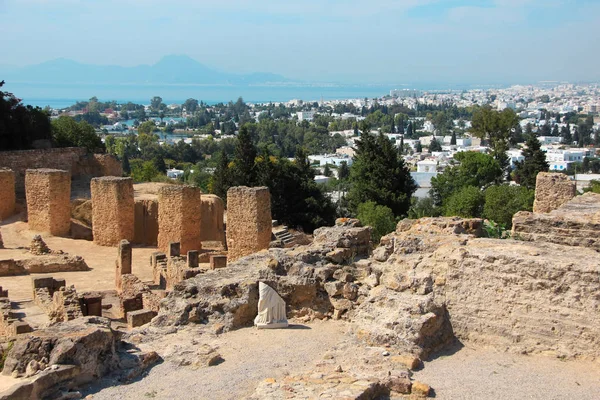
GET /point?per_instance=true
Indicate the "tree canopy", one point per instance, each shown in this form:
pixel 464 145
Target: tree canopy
pixel 534 162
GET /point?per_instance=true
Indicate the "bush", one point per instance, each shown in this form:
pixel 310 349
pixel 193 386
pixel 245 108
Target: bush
pixel 380 218
pixel 425 207
pixel 503 201
pixel 466 203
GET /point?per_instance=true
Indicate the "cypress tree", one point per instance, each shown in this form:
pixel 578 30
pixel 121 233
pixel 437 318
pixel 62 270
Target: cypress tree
pixel 125 165
pixel 244 173
pixel 453 139
pixel 534 162
pixel 221 179
pixel 379 175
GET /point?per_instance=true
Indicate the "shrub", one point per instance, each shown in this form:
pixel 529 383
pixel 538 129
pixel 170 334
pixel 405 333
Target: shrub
pixel 380 218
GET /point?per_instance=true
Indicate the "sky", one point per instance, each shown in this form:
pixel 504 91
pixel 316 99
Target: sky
pixel 367 42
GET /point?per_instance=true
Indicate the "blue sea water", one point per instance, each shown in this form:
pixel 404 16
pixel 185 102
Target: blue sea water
pixel 61 95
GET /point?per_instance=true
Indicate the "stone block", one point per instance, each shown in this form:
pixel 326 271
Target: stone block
pixel 139 317
pixel 130 304
pixel 158 261
pixel 179 217
pixel 123 264
pixel 192 259
pixel 249 222
pixel 7 194
pixel 552 190
pixel 174 249
pixel 20 327
pixel 218 261
pixel 213 228
pixel 10 267
pixel 92 304
pixel 146 222
pixel 112 210
pixel 48 193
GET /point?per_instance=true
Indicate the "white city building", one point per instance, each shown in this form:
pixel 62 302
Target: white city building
pixel 305 115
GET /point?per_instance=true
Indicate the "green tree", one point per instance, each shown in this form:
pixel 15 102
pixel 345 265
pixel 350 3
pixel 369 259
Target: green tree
pixel 221 179
pixel 379 175
pixel 419 147
pixel 155 103
pixel 21 126
pixel 503 201
pixel 422 208
pixel 125 165
pixel 496 127
pixel 533 163
pixel 244 173
pixel 190 105
pixel 327 170
pixel 473 169
pixel 435 145
pixel 380 218
pixel 143 171
pixel 147 127
pixel 467 202
pixel 69 133
pixel 343 171
pixel 453 139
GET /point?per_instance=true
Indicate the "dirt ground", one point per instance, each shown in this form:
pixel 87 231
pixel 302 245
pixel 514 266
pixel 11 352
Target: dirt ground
pixel 472 373
pixel 101 261
pixel 250 356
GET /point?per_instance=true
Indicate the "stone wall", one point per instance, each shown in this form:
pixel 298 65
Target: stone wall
pixel 72 159
pixel 249 221
pixel 48 194
pixel 213 228
pixel 112 210
pixel 575 223
pixel 179 217
pixel 7 193
pixel 552 190
pixel 146 222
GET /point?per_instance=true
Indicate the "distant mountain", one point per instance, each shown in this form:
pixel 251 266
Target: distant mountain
pixel 169 70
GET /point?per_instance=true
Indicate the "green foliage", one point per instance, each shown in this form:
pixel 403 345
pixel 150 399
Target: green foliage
pixel 69 133
pixel 380 218
pixel 143 171
pixel 125 165
pixel 466 202
pixel 496 127
pixel 327 170
pixel 343 171
pixel 503 201
pixel 435 145
pixel 244 173
pixel 21 125
pixel 594 187
pixel 379 175
pixel 495 230
pixel 147 127
pixel 422 208
pixel 474 169
pixel 534 162
pixel 221 180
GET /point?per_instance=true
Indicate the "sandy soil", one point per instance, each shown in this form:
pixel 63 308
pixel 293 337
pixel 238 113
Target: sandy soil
pixel 485 374
pixel 250 355
pixel 100 259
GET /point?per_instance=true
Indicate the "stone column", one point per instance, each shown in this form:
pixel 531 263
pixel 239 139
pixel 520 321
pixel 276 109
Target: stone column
pixel 112 210
pixel 7 193
pixel 552 190
pixel 48 193
pixel 249 222
pixel 123 265
pixel 193 259
pixel 212 219
pixel 146 222
pixel 179 218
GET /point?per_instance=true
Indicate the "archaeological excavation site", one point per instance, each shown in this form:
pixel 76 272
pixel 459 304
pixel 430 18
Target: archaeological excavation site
pixel 116 290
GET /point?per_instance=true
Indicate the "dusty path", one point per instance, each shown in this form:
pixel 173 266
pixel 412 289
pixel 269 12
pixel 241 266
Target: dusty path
pixel 484 374
pixel 250 356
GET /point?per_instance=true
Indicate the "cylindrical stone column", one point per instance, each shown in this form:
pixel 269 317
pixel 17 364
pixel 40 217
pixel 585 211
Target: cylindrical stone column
pixel 7 193
pixel 48 193
pixel 179 217
pixel 249 223
pixel 112 210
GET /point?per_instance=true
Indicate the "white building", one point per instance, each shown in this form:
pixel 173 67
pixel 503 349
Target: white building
pixel 427 166
pixel 514 156
pixel 560 160
pixel 331 159
pixel 549 139
pixel 305 115
pixel 174 173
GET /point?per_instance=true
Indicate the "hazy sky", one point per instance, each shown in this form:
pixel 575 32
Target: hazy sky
pixel 458 41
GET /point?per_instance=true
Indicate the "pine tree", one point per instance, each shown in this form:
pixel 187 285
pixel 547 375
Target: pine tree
pixel 379 175
pixel 434 145
pixel 419 147
pixel 534 162
pixel 125 165
pixel 221 180
pixel 327 170
pixel 244 173
pixel 401 147
pixel 565 132
pixel 343 171
pixel 555 131
pixel 453 139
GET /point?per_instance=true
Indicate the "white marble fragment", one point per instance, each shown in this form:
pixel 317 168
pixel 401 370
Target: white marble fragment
pixel 271 309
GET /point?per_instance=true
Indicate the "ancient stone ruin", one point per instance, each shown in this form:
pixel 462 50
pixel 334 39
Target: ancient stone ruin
pixel 179 217
pixel 249 222
pixel 213 229
pixel 7 194
pixel 552 190
pixel 48 194
pixel 112 210
pixel 146 222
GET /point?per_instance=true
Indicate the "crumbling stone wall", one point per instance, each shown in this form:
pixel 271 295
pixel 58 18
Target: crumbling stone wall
pixel 146 222
pixel 48 194
pixel 213 209
pixel 72 159
pixel 7 193
pixel 249 223
pixel 112 210
pixel 552 190
pixel 179 217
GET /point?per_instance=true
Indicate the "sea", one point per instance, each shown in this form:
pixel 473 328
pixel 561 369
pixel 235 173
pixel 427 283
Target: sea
pixel 59 96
